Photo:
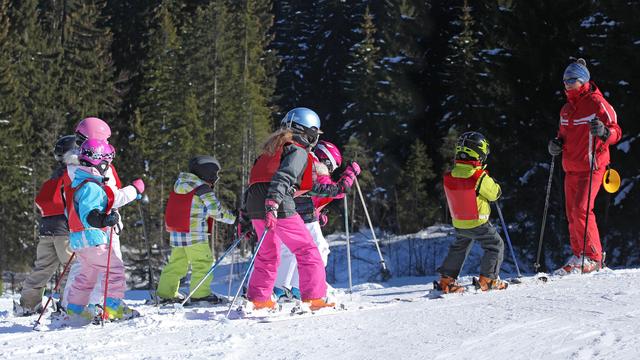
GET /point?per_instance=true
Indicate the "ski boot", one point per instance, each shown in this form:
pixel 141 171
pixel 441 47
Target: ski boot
pixel 177 299
pixel 590 265
pixel 571 267
pixel 485 284
pixel 22 311
pixel 295 293
pixel 117 310
pixel 266 304
pixel 280 294
pixel 317 304
pixel 211 299
pixel 574 266
pixel 448 285
pixel 75 315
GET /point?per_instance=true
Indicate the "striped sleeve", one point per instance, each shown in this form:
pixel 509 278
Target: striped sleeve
pixel 607 114
pixel 215 209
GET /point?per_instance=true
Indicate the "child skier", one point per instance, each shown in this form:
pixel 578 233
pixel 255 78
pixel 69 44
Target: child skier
pixel 469 189
pixel 53 241
pixel 191 205
pixel 96 129
pixel 91 223
pixel 327 159
pixel 283 171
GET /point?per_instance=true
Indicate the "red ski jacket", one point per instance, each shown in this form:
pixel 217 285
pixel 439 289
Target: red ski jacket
pixel 584 105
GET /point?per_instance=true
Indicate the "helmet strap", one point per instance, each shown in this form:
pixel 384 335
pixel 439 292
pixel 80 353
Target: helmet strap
pixel 102 167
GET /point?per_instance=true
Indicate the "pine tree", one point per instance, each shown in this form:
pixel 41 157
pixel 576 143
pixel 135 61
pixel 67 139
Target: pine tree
pixel 87 85
pixel 32 119
pixel 297 24
pixel 12 137
pixel 153 143
pixel 415 211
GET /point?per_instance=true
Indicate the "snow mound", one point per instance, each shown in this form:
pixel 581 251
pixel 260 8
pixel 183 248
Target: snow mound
pixel 592 316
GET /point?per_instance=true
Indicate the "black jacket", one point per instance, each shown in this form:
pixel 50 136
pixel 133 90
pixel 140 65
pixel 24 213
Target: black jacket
pixel 304 204
pixel 284 182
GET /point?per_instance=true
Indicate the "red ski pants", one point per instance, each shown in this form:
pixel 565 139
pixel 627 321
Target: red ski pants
pixel 576 190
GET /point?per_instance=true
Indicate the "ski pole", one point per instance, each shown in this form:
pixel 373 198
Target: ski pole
pixel 386 274
pixel 346 229
pixel 244 278
pixel 233 260
pixel 213 267
pixel 145 199
pixel 592 141
pixel 536 265
pixel 106 278
pixel 506 233
pixel 55 289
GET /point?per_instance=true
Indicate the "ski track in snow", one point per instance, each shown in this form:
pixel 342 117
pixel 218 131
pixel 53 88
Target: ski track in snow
pixel 595 316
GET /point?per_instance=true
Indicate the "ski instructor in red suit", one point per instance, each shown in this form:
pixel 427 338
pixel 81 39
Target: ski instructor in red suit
pixel 587 123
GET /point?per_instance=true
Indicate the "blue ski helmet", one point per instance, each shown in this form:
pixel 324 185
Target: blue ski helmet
pixel 303 121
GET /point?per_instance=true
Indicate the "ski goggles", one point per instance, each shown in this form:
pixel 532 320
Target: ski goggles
pixel 95 155
pixel 570 81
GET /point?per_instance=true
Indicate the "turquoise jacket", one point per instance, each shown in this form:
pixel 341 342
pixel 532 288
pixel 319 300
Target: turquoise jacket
pixel 88 197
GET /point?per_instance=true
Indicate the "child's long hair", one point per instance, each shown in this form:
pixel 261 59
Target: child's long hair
pixel 277 140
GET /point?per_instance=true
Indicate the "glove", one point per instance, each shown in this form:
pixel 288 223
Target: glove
pixel 555 146
pixel 323 219
pixel 139 185
pixel 348 177
pixel 355 168
pixel 112 219
pixel 598 129
pixel 98 219
pixel 243 224
pixel 271 209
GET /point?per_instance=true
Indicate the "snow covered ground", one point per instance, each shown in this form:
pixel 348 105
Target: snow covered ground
pixel 595 316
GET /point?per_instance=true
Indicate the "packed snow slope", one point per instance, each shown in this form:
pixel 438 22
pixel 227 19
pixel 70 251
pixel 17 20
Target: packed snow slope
pixel 594 316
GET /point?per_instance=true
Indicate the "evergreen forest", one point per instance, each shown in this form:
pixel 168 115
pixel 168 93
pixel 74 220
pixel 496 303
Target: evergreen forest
pixel 393 81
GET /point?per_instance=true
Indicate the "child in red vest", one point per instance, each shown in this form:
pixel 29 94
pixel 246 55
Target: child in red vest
pixel 309 206
pixel 92 128
pixel 191 205
pixel 283 171
pixel 53 241
pixel 92 221
pixel 469 189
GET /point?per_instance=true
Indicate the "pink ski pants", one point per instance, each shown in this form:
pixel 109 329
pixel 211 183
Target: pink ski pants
pixel 93 261
pixel 295 236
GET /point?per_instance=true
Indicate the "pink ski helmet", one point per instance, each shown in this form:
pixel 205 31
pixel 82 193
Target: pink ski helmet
pixel 329 154
pixel 92 128
pixel 96 153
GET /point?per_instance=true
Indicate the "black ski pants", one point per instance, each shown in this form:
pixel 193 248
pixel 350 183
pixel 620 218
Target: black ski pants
pixel 491 243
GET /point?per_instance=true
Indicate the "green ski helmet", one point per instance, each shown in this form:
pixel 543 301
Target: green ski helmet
pixel 472 146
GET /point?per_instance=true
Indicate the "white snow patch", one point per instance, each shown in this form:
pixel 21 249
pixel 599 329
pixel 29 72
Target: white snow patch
pixel 394 60
pixel 392 320
pixel 626 145
pixel 626 187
